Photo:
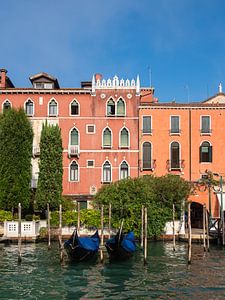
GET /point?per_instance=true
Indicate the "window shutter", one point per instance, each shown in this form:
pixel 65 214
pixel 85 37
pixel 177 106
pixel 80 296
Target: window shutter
pixel 210 153
pixel 200 154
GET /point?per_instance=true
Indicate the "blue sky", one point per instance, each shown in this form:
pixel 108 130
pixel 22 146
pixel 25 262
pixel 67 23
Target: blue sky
pixel 183 42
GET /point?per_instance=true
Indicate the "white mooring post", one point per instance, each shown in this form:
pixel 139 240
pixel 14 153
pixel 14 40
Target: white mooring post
pixel 204 211
pixel 49 227
pixel 146 235
pixel 174 236
pixel 207 229
pixel 110 215
pixel 19 234
pixel 189 233
pixel 60 233
pixel 102 233
pixel 142 226
pixel 78 218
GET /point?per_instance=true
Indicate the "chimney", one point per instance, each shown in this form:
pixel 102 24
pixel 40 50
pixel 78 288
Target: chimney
pixel 98 77
pixel 3 78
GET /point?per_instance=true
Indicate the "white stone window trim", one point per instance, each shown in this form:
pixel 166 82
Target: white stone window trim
pixel 29 99
pixel 87 132
pixel 6 100
pixel 92 160
pixel 74 100
pixel 57 107
pixel 78 170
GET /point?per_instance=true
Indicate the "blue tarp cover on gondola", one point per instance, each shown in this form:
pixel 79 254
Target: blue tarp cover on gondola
pixel 91 244
pixel 128 242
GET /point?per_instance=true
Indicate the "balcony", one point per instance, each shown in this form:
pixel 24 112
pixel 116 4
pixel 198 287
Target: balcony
pixel 73 150
pixel 205 131
pixel 147 165
pixel 36 151
pixel 176 165
pixel 175 131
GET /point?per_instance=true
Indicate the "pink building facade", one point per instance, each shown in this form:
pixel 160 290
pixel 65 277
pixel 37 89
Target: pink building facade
pixel 99 126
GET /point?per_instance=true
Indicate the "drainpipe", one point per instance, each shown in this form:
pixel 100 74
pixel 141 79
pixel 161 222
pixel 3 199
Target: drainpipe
pixel 190 144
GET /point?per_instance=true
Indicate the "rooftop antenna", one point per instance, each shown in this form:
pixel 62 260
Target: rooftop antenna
pixel 150 75
pixel 188 92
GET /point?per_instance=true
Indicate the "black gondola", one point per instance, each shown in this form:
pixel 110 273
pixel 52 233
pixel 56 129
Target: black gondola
pixel 82 248
pixel 121 246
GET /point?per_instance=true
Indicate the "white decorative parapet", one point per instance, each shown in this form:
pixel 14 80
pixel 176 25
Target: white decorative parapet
pixel 116 83
pixel 28 229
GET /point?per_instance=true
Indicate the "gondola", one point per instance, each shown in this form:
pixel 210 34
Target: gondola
pixel 82 248
pixel 121 246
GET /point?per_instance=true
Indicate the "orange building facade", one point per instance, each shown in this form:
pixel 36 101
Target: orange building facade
pixel 185 140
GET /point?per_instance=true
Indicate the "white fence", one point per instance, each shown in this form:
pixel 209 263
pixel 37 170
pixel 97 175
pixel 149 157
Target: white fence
pixel 28 229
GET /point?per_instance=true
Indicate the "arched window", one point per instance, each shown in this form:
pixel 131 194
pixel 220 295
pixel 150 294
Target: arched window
pixel 74 172
pixel 6 105
pixel 147 156
pixel 175 155
pixel 124 170
pixel 110 108
pixel 107 177
pixel 124 138
pixel 107 138
pixel 52 108
pixel 74 108
pixel 74 137
pixel 120 108
pixel 205 152
pixel 29 108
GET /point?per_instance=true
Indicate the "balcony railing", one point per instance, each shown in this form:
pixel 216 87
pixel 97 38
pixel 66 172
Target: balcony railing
pixel 36 151
pixel 205 131
pixel 177 165
pixel 73 150
pixel 175 131
pixel 146 165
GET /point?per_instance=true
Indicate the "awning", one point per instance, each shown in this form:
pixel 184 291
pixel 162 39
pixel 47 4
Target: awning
pixel 219 199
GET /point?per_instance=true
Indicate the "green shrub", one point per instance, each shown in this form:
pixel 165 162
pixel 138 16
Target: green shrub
pixel 5 216
pixel 43 232
pixel 29 217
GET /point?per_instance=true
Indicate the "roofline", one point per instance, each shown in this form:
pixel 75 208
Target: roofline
pixel 216 95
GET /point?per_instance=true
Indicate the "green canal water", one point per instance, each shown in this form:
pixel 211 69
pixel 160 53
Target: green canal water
pixel 166 276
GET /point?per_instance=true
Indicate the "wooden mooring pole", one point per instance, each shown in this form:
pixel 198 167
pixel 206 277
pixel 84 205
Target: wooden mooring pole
pixel 49 227
pixel 142 226
pixel 102 233
pixel 174 236
pixel 189 233
pixel 110 215
pixel 78 218
pixel 19 234
pixel 146 235
pixel 60 233
pixel 204 214
pixel 207 228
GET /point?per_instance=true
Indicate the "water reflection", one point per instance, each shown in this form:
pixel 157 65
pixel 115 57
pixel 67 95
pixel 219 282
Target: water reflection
pixel 166 276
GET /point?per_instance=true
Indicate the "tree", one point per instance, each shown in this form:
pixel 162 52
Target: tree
pixel 49 188
pixel 16 138
pixel 156 193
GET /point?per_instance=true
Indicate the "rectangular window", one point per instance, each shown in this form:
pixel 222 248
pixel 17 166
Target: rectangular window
pixel 174 124
pixel 90 163
pixel 90 129
pixel 147 124
pixel 205 125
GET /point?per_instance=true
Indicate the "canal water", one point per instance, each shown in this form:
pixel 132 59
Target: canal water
pixel 166 276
